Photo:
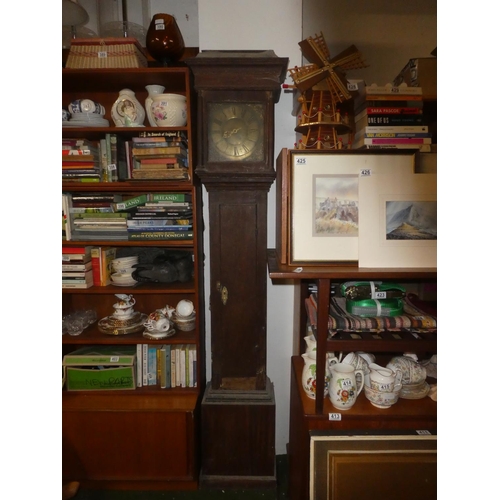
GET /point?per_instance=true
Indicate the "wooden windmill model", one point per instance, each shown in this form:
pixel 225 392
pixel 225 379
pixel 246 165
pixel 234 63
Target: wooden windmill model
pixel 323 88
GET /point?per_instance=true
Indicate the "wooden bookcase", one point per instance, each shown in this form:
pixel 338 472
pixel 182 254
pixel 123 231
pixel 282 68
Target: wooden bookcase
pixel 145 438
pixel 308 415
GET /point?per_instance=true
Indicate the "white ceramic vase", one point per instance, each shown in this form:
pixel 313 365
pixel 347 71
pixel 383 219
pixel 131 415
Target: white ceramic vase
pixel 169 110
pixel 127 111
pixel 152 91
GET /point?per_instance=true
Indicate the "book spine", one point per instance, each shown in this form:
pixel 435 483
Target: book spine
pixel 168 349
pixel 174 197
pixel 77 267
pixel 84 275
pixel 139 365
pixel 77 285
pixel 398 135
pixel 144 365
pixel 130 203
pixel 160 235
pixel 392 120
pixel 80 152
pixel 397 129
pixel 161 134
pixel 108 254
pixel 192 375
pixel 423 148
pixel 392 140
pixel 151 365
pixel 158 222
pixel 161 228
pixel 171 150
pixel 173 360
pixel 162 370
pixel 77 250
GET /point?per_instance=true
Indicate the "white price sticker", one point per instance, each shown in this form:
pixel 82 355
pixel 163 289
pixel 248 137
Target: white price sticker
pixel 300 160
pixel 102 54
pixel 379 295
pixel 114 359
pixel 366 172
pixel 346 383
pixel 424 433
pixel 335 416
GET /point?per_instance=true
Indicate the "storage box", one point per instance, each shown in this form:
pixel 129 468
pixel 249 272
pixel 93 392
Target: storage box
pixel 420 72
pixel 97 368
pixel 86 53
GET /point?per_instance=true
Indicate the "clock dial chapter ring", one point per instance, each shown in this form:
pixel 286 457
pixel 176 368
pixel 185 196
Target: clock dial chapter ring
pixel 235 131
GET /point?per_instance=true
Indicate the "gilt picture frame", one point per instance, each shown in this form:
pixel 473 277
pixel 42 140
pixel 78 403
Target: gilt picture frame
pixel 398 221
pixel 323 207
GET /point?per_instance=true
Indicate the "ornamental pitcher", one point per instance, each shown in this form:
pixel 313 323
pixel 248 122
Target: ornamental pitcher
pixel 309 375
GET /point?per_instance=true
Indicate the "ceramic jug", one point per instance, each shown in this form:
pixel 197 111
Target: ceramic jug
pixel 343 388
pixel 309 375
pixel 384 379
pixel 152 91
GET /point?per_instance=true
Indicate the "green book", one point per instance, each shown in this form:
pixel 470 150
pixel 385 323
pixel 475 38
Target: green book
pixel 130 203
pixel 176 197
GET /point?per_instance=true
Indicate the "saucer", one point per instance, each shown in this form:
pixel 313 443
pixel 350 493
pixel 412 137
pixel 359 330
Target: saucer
pixel 155 335
pixel 415 391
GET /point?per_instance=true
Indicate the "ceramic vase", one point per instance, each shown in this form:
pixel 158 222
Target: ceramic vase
pixel 169 110
pixel 127 111
pixel 164 39
pixel 152 91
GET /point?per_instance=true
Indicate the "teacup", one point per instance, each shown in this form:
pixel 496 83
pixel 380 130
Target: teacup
pixel 357 361
pixel 381 399
pixel 412 371
pixel 370 358
pixel 85 106
pixel 384 379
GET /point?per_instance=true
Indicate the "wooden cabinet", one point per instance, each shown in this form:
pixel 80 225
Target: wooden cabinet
pixel 308 415
pixel 145 438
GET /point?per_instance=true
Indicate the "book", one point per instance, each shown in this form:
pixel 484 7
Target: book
pixel 85 266
pixel 82 250
pixel 160 222
pixel 395 135
pixel 112 160
pixel 159 235
pixel 169 227
pixel 373 129
pixel 144 365
pixel 162 368
pixel 173 368
pixel 87 199
pixel 163 133
pixel 394 140
pixel 167 367
pixel 108 254
pixel 96 265
pixel 423 148
pixel 172 197
pixel 77 285
pixel 361 106
pixel 387 89
pixel 172 150
pixel 393 120
pixel 75 259
pixel 389 110
pixel 103 157
pixel 152 364
pixel 167 203
pixel 130 203
pixel 147 140
pixel 83 275
pixel 192 374
pixel 69 143
pixel 118 155
pixel 139 365
pixel 86 153
pixel 119 216
pixel 164 174
pixel 66 217
pixel 182 365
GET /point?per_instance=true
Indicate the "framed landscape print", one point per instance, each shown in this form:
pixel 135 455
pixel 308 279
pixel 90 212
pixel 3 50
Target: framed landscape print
pixel 398 221
pixel 324 204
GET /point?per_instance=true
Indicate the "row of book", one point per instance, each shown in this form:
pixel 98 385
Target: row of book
pixel 390 117
pixel 152 216
pixel 166 366
pixel 87 266
pixel 114 158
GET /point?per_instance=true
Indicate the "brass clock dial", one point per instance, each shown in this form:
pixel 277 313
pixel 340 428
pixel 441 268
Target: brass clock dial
pixel 235 131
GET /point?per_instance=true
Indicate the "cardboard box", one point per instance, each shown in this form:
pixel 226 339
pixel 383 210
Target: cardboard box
pixel 99 368
pixel 420 72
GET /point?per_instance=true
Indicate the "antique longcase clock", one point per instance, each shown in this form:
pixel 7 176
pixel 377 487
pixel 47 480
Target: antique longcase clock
pixel 237 92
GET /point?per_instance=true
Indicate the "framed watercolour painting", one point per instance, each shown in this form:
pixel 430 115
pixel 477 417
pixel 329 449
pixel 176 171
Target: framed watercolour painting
pixel 398 221
pixel 324 209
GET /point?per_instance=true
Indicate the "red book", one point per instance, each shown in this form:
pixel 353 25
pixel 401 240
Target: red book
pixel 80 250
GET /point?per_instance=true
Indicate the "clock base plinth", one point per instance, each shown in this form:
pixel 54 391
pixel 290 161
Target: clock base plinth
pixel 238 438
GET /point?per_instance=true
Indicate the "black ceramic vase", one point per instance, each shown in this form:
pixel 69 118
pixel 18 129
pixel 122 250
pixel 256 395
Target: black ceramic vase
pixel 164 39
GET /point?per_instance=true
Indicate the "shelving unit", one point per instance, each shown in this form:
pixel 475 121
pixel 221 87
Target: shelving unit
pixel 145 438
pixel 308 415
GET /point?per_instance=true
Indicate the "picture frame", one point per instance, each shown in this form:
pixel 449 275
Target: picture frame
pixel 322 218
pixel 349 464
pixel 398 221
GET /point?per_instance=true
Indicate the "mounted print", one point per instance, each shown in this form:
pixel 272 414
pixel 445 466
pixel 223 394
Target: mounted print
pixel 398 225
pixel 325 204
